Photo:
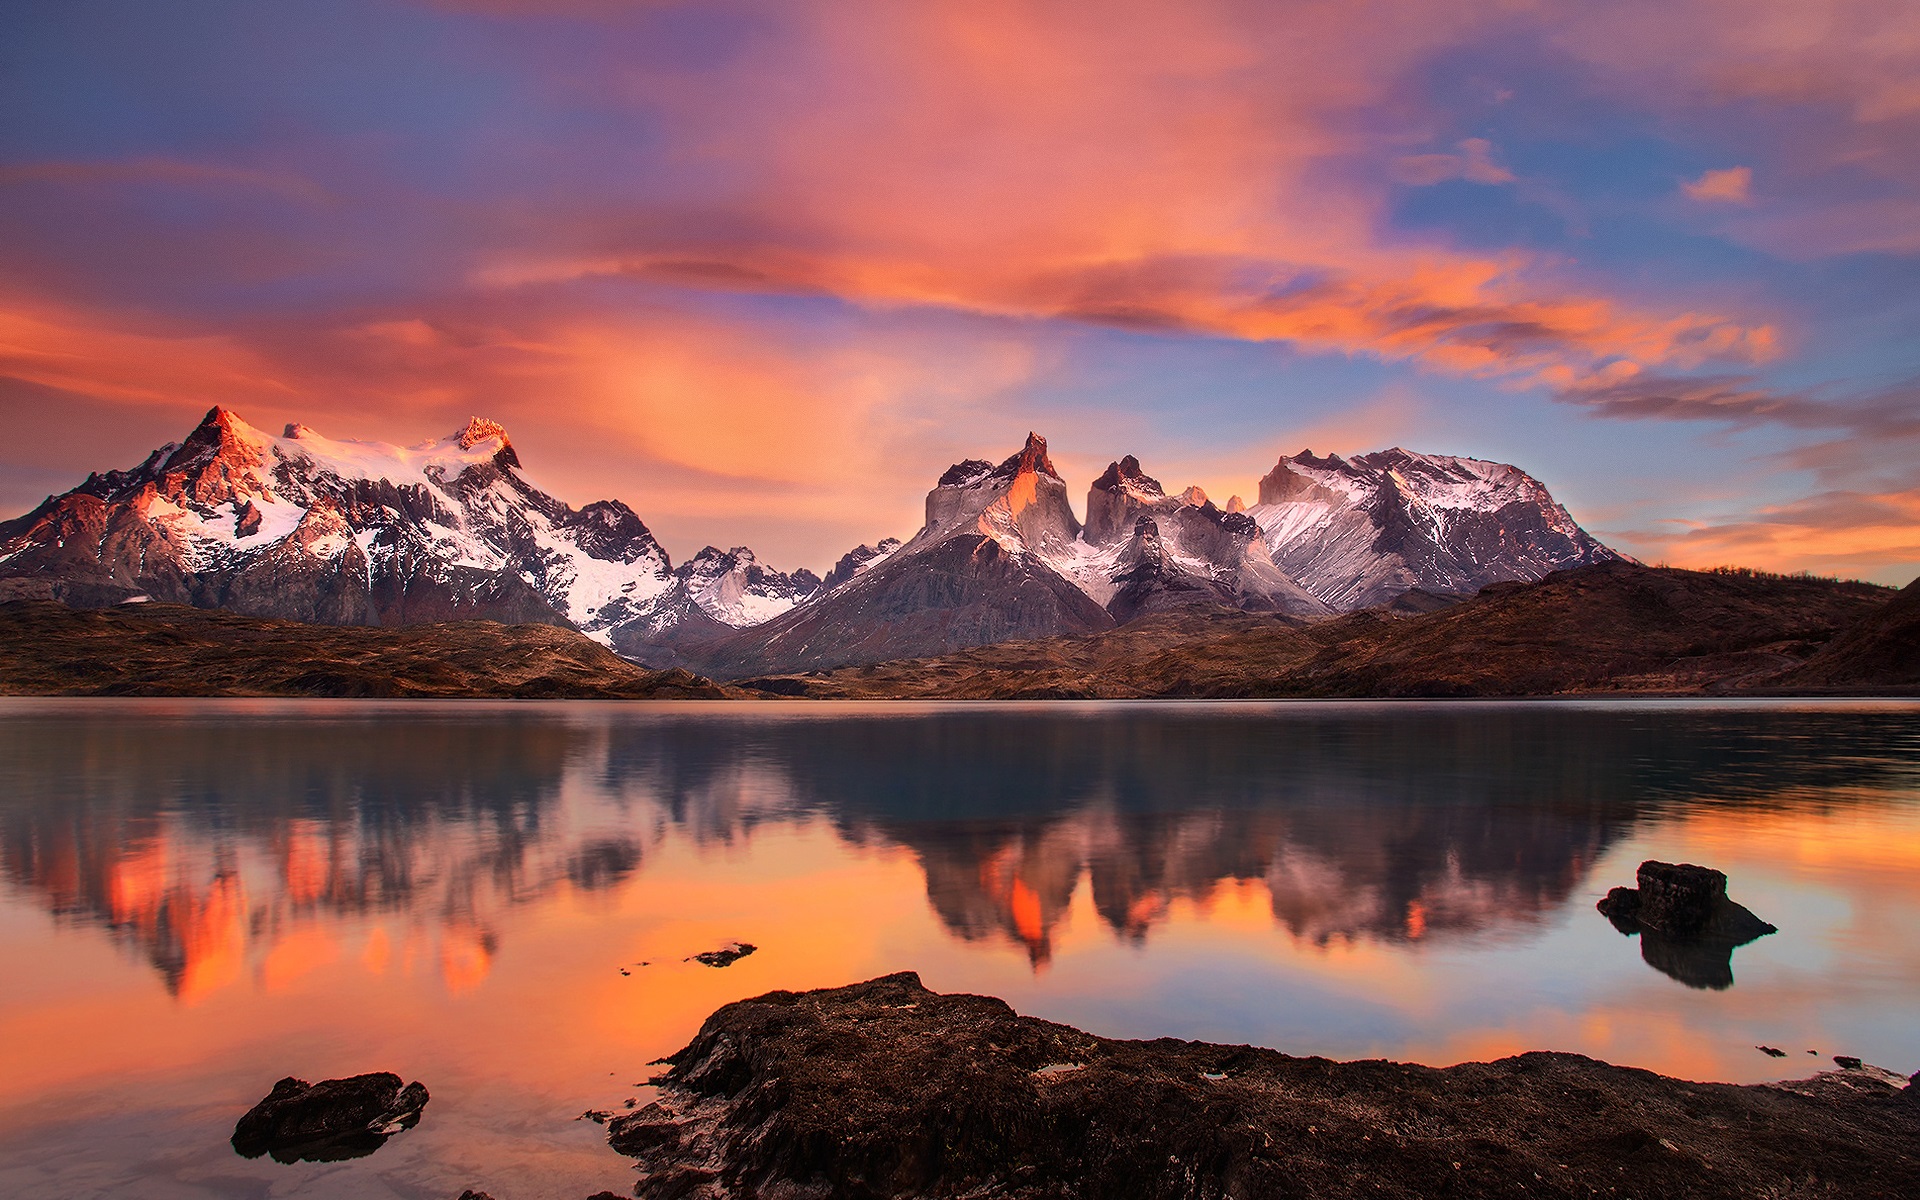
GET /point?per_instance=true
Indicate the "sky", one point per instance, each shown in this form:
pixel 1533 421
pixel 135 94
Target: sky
pixel 764 269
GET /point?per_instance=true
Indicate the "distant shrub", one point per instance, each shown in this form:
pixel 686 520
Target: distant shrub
pixel 1792 576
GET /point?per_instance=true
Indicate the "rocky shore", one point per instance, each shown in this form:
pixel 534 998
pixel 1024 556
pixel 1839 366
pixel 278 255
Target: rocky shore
pixel 886 1089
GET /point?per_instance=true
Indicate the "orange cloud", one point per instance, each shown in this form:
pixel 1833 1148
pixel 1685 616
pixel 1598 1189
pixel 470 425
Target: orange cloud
pixel 1731 186
pixel 1179 168
pixel 88 355
pixel 1839 533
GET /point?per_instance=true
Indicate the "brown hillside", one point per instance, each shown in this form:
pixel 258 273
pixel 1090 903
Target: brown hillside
pixel 1608 628
pixel 47 649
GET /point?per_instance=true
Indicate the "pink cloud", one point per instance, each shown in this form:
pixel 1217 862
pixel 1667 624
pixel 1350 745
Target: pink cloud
pixel 1733 185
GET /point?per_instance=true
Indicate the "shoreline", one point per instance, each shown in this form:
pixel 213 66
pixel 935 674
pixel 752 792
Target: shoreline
pixel 884 1088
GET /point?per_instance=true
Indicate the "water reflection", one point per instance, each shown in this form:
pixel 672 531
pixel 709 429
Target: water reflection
pixel 208 845
pixel 199 898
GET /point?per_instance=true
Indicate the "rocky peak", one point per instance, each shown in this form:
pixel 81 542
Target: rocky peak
pixel 1126 475
pixel 1121 494
pixel 1031 460
pixel 1021 502
pixel 965 473
pixel 1194 497
pixel 479 429
pixel 858 559
pixel 219 433
pixel 1285 483
pixel 1236 505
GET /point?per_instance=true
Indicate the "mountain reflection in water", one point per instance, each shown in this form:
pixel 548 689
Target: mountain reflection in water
pixel 208 845
pixel 198 898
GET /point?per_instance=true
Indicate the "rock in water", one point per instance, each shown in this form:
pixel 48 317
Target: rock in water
pixel 885 1089
pixel 1679 897
pixel 1685 901
pixel 726 956
pixel 330 1120
pixel 1688 928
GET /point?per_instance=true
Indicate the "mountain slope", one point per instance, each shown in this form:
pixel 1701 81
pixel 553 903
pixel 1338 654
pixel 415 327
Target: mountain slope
pixel 1882 650
pixel 1613 627
pixel 1357 532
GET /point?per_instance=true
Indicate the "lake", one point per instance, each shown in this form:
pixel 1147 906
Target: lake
pixel 200 897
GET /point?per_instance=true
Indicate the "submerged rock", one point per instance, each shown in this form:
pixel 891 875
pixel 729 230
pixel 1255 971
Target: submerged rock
pixel 330 1120
pixel 1688 928
pixel 726 956
pixel 885 1089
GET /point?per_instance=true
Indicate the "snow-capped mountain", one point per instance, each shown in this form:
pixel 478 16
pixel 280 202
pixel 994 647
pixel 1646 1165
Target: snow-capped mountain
pixel 713 594
pixel 984 568
pixel 1358 532
pixel 346 532
pixel 1144 551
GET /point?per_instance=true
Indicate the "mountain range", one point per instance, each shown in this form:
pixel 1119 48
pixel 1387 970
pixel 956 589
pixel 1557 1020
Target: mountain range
pixel 308 528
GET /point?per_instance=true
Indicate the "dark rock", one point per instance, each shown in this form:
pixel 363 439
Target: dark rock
pixel 1847 1062
pixel 1688 928
pixel 330 1120
pixel 726 956
pixel 886 1089
pixel 1771 1051
pixel 470 1194
pixel 1621 904
pixel 1678 897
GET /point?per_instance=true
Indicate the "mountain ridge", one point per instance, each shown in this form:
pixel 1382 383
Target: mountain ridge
pixel 301 526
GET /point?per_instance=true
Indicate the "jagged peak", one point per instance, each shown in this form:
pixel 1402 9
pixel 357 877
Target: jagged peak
pixel 222 423
pixel 1235 504
pixel 1031 460
pixel 739 554
pixel 298 430
pixel 479 429
pixel 1194 497
pixel 1126 475
pixel 219 434
pixel 966 473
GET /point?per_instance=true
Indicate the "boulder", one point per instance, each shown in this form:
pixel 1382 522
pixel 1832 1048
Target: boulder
pixel 1688 927
pixel 330 1120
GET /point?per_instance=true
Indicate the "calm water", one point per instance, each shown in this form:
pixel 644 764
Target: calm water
pixel 201 897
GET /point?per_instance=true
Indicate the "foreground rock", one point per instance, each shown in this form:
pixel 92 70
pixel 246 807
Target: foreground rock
pixel 1688 928
pixel 330 1120
pixel 887 1089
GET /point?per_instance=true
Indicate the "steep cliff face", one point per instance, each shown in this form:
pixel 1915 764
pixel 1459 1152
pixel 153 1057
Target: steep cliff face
pixel 1358 532
pixel 1187 552
pixel 979 571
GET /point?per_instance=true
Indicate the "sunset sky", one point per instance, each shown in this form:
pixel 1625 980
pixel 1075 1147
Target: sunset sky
pixel 764 269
